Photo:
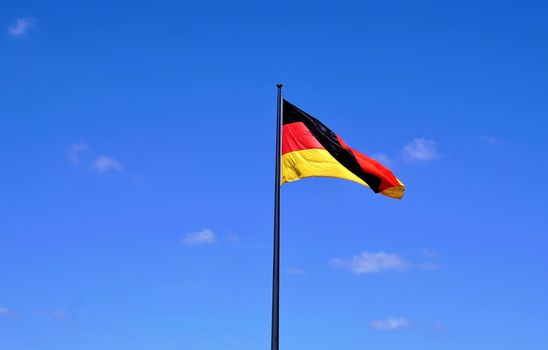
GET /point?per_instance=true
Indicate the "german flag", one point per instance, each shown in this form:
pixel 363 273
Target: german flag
pixel 310 149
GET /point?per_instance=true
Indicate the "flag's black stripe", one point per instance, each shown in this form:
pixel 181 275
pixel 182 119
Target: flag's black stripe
pixel 328 139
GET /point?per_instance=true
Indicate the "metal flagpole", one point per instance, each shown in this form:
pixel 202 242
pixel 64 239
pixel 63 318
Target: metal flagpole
pixel 276 261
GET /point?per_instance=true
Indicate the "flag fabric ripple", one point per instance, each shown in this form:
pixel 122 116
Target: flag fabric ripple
pixel 310 149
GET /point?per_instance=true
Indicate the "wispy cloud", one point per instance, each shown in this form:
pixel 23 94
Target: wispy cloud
pixel 429 266
pixel 368 262
pixel 196 238
pixel 430 254
pixel 75 150
pixel 55 314
pixel 295 271
pixel 382 158
pixel 20 27
pixel 371 262
pixel 233 237
pixel 492 141
pixel 104 164
pixel 390 324
pixel 6 312
pixel 101 164
pixel 438 327
pixel 59 315
pixel 420 149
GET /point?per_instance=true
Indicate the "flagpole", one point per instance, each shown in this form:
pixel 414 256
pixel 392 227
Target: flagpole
pixel 274 344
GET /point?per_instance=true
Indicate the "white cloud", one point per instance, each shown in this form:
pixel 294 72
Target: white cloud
pixel 390 324
pixel 195 238
pixel 105 164
pixel 368 262
pixel 492 141
pixel 75 150
pixel 420 149
pixel 295 271
pixel 20 27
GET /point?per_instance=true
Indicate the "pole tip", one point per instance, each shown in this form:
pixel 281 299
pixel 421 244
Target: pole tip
pixel 279 85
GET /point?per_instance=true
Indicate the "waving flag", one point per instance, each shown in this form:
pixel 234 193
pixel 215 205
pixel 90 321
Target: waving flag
pixel 310 149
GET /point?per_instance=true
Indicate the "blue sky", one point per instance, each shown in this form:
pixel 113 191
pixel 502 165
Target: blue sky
pixel 137 145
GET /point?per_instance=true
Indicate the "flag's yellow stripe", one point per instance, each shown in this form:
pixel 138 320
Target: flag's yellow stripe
pixel 298 165
pixel 314 162
pixel 396 191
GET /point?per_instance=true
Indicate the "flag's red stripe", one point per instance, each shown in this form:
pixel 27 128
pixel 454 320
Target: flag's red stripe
pixel 373 167
pixel 297 137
